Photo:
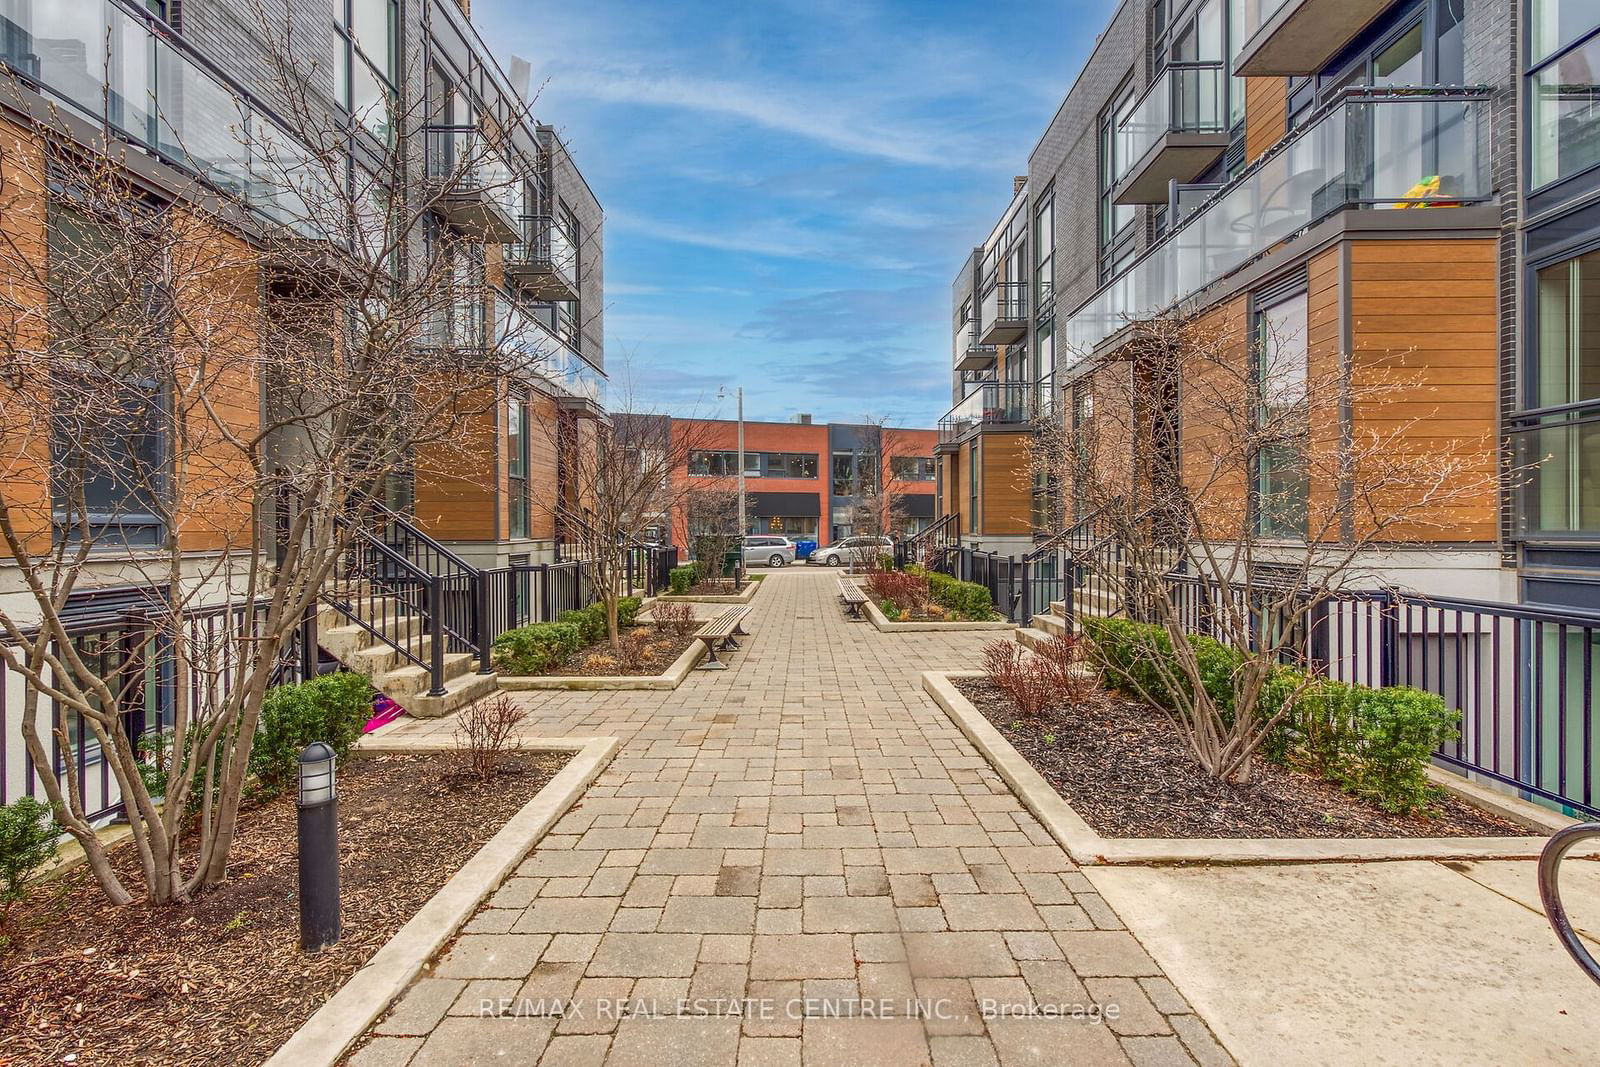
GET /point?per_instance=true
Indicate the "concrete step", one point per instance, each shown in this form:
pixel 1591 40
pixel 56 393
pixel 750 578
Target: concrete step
pixel 459 692
pixel 410 678
pixel 1051 624
pixel 1031 638
pixel 350 640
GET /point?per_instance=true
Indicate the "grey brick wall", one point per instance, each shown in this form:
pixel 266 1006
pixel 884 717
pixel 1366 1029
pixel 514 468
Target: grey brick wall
pixel 569 188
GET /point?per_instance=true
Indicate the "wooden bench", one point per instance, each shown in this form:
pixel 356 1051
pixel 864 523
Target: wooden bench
pixel 853 597
pixel 718 633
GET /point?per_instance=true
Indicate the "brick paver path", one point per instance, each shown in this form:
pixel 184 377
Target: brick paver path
pixel 795 861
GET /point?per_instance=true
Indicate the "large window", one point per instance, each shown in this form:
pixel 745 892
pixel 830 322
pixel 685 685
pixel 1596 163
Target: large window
pixel 1282 487
pixel 365 61
pixel 1044 247
pixel 109 433
pixel 725 464
pixel 1564 88
pixel 911 468
pixel 517 464
pixel 1116 222
pixel 1560 446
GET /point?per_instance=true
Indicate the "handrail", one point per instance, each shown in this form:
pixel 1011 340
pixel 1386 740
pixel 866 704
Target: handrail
pixel 1550 858
pixel 412 530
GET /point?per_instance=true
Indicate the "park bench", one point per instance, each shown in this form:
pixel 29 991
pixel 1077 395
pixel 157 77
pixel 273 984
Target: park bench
pixel 718 633
pixel 853 597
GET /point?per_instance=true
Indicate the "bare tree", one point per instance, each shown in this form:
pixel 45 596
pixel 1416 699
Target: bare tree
pixel 137 336
pixel 881 497
pixel 1298 468
pixel 623 474
pixel 711 520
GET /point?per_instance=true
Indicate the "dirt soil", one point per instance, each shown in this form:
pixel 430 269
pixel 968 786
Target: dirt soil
pixel 1123 767
pixel 659 652
pixel 222 979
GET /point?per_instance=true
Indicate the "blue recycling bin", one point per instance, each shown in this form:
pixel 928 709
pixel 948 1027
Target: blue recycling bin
pixel 803 549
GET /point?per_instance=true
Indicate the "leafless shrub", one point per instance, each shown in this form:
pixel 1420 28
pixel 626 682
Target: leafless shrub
pixel 486 734
pixel 1061 658
pixel 674 619
pixel 1001 660
pixel 633 649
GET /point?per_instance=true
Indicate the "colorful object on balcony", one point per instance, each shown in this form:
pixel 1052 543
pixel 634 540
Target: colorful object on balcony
pixel 1426 193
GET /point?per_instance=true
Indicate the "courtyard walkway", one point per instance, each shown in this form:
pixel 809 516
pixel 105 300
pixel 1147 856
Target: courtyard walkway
pixel 798 860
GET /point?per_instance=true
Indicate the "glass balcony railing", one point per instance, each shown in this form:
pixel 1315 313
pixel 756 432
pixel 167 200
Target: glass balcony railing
pixel 546 247
pixel 1378 148
pixel 967 348
pixel 1185 98
pixel 462 160
pixel 538 339
pixel 992 403
pixel 113 66
pixel 1255 14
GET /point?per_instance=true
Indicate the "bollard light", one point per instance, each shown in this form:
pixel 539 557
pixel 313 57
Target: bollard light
pixel 316 775
pixel 317 830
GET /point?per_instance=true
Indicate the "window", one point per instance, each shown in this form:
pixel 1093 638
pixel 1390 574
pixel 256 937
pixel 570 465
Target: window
pixel 796 528
pixel 844 474
pixel 911 468
pixel 1281 486
pixel 1116 221
pixel 1562 445
pixel 365 61
pixel 109 432
pixel 725 464
pixel 972 487
pixel 1044 247
pixel 517 464
pixel 1565 94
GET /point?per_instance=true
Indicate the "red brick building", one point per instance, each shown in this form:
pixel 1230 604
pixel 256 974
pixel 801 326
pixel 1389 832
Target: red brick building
pixel 807 480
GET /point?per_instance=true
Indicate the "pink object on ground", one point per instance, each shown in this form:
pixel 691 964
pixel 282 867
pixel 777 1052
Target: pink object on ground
pixel 384 712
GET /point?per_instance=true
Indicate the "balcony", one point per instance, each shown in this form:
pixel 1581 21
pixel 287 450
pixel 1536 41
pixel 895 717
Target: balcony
pixel 969 354
pixel 478 195
pixel 1175 131
pixel 544 345
pixel 1300 36
pixel 1003 313
pixel 1383 149
pixel 543 264
pixel 995 405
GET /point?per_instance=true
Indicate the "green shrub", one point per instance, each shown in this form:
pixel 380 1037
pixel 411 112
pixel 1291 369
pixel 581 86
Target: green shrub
pixel 1129 652
pixel 969 600
pixel 537 648
pixel 890 611
pixel 591 623
pixel 28 832
pixel 682 578
pixel 332 708
pixel 628 610
pixel 1396 731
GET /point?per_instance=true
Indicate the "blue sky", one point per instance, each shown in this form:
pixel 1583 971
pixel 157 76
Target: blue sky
pixel 791 185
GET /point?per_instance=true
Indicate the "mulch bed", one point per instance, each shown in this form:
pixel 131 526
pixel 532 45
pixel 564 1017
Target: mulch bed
pixel 716 589
pixel 591 661
pixel 1123 768
pixel 222 978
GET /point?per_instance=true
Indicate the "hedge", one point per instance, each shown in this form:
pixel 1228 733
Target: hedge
pixel 331 708
pixel 591 621
pixel 537 648
pixel 969 600
pixel 682 578
pixel 1375 743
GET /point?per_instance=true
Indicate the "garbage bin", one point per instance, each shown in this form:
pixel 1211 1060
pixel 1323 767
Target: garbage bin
pixel 803 549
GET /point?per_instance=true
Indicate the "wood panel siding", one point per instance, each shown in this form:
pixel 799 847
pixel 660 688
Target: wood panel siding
pixel 1210 460
pixel 542 466
pixel 1424 325
pixel 1324 355
pixel 1005 495
pixel 1266 114
pixel 457 489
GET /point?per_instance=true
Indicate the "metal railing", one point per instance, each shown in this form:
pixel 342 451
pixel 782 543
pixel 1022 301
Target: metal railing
pixel 1550 860
pixel 463 160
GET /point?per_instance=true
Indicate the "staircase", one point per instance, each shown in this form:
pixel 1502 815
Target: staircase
pixel 393 648
pixel 406 612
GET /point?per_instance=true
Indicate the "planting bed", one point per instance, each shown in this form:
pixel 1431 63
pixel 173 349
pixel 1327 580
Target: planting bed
pixel 1124 769
pixel 222 979
pixel 659 652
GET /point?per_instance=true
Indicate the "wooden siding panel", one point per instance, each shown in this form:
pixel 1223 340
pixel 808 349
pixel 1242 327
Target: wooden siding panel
pixel 457 497
pixel 1424 318
pixel 1266 114
pixel 1006 497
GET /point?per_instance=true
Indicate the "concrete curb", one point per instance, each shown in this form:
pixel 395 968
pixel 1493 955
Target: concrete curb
pixel 670 679
pixel 882 622
pixel 351 1011
pixel 1089 849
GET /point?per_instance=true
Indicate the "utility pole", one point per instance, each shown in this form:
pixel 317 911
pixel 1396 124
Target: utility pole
pixel 742 530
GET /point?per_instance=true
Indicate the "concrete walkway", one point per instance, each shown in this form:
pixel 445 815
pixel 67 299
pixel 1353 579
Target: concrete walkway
pixel 798 860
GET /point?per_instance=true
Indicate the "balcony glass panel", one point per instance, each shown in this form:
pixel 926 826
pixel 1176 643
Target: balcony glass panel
pixel 461 156
pixel 1186 98
pixel 993 402
pixel 1377 148
pixel 1256 14
pixel 545 353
